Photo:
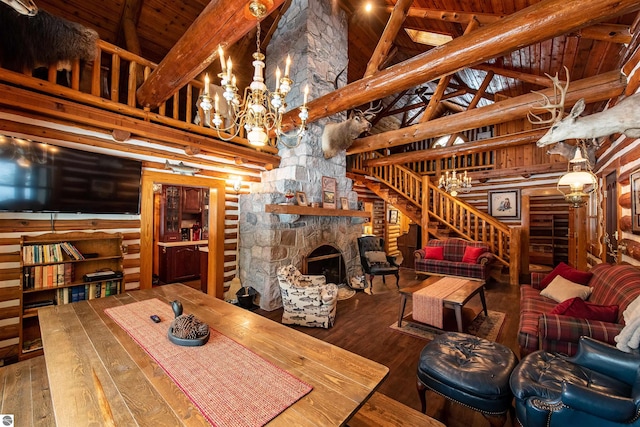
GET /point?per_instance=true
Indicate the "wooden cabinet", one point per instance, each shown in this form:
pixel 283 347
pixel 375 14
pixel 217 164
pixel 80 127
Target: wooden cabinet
pixel 171 213
pixel 182 208
pixel 191 200
pixel 54 269
pixel 548 239
pixel 541 239
pixel 408 243
pixel 179 263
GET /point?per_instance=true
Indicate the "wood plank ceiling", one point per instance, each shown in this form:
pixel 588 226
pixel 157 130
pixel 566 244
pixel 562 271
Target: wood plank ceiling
pixel 586 52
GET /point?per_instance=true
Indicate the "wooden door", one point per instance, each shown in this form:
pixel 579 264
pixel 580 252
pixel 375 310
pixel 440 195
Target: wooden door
pixel 611 216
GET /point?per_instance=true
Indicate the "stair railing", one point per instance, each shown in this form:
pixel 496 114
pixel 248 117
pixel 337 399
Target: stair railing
pixel 400 179
pixel 464 219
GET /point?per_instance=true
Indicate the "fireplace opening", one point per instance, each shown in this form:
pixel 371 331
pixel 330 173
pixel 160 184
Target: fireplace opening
pixel 327 261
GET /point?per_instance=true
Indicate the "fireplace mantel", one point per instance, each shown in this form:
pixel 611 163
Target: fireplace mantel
pixel 308 210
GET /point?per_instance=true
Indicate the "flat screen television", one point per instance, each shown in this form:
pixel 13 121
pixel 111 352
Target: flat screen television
pixel 36 177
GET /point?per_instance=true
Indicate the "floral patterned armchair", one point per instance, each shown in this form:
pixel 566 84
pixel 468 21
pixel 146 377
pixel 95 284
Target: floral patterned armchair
pixel 307 300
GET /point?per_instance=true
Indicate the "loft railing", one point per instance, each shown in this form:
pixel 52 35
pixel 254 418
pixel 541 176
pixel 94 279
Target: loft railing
pixel 110 83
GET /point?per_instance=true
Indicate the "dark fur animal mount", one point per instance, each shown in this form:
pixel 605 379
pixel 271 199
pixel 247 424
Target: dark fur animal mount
pixel 29 42
pixel 339 136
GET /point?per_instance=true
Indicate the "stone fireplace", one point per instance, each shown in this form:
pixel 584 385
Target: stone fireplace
pixel 317 40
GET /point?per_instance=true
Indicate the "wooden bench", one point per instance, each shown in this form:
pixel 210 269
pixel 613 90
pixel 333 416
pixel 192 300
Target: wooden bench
pixel 24 393
pixel 381 410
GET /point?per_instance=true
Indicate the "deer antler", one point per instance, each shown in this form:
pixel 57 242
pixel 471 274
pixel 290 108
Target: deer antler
pixel 373 110
pixel 556 109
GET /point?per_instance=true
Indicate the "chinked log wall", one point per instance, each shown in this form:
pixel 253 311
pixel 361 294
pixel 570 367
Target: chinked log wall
pixel 118 99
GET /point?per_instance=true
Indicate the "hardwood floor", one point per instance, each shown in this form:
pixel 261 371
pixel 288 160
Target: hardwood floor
pixel 362 326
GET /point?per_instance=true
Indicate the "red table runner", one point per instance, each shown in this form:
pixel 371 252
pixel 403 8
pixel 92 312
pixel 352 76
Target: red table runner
pixel 427 302
pixel 230 385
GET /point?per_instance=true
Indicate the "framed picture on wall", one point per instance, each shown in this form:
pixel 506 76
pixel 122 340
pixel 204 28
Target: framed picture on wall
pixel 328 192
pixel 344 203
pixel 634 179
pixel 504 204
pixel 301 198
pixel 393 216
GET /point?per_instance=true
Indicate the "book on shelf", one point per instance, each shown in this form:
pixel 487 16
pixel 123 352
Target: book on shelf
pixel 72 251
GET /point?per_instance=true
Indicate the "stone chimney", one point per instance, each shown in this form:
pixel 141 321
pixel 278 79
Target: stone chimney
pixel 316 38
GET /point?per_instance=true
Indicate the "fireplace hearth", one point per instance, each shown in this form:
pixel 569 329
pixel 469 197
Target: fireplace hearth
pixel 326 261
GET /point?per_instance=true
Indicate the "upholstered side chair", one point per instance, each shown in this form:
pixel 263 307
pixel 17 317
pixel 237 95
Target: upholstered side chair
pixel 307 299
pixel 375 261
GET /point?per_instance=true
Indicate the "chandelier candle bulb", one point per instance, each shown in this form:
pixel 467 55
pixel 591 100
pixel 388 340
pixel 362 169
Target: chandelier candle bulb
pixel 287 64
pixel 306 95
pixel 206 86
pixel 216 100
pixel 221 55
pixel 229 67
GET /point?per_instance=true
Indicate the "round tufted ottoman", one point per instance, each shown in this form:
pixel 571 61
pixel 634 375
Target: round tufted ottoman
pixel 471 371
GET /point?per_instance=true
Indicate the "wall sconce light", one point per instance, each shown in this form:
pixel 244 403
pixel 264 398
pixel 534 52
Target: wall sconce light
pixel 236 183
pixel 581 182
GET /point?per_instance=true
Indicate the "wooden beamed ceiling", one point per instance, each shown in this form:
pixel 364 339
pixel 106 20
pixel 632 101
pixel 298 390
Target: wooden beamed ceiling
pixel 500 51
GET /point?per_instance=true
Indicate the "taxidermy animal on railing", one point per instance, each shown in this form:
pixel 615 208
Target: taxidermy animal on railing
pixel 568 151
pixel 23 7
pixel 621 118
pixel 29 42
pixel 339 136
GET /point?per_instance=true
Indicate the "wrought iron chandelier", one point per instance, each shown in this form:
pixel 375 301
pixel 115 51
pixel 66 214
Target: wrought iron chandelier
pixel 581 182
pixel 260 111
pixel 454 183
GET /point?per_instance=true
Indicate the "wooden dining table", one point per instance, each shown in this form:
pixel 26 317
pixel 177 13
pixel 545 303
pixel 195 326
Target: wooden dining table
pixel 97 372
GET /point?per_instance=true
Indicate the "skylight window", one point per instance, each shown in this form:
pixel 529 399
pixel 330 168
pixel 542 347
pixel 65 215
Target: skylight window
pixel 442 141
pixel 428 38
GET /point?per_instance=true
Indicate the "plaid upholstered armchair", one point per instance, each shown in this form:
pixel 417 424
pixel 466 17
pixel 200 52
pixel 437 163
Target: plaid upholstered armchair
pixel 307 300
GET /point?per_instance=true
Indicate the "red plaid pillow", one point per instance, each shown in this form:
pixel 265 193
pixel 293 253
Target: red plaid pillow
pixel 471 254
pixel 434 252
pixel 577 307
pixel 569 273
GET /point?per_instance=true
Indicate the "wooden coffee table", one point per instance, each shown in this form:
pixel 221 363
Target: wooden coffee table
pixel 456 300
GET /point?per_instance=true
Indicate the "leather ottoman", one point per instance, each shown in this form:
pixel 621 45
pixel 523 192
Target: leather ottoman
pixel 468 370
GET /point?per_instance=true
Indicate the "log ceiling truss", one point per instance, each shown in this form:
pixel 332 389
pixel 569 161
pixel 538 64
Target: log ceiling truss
pixel 500 52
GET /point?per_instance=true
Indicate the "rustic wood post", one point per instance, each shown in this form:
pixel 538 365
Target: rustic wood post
pixel 515 246
pixel 425 209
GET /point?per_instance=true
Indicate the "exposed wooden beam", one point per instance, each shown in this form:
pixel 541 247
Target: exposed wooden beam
pixel 222 22
pixel 512 140
pixel 518 75
pixel 519 170
pixel 541 21
pixel 128 24
pixel 615 33
pixel 481 90
pixel 398 15
pixel 592 89
pixel 87 117
pixel 435 99
pixel 49 135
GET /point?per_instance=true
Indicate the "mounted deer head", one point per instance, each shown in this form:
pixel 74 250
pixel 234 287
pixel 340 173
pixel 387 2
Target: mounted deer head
pixel 23 7
pixel 340 136
pixel 621 118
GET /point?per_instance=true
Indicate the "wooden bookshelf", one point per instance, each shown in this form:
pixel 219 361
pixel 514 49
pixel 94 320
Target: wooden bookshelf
pixel 101 251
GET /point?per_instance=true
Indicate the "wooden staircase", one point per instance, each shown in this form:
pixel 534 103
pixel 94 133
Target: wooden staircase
pixel 405 190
